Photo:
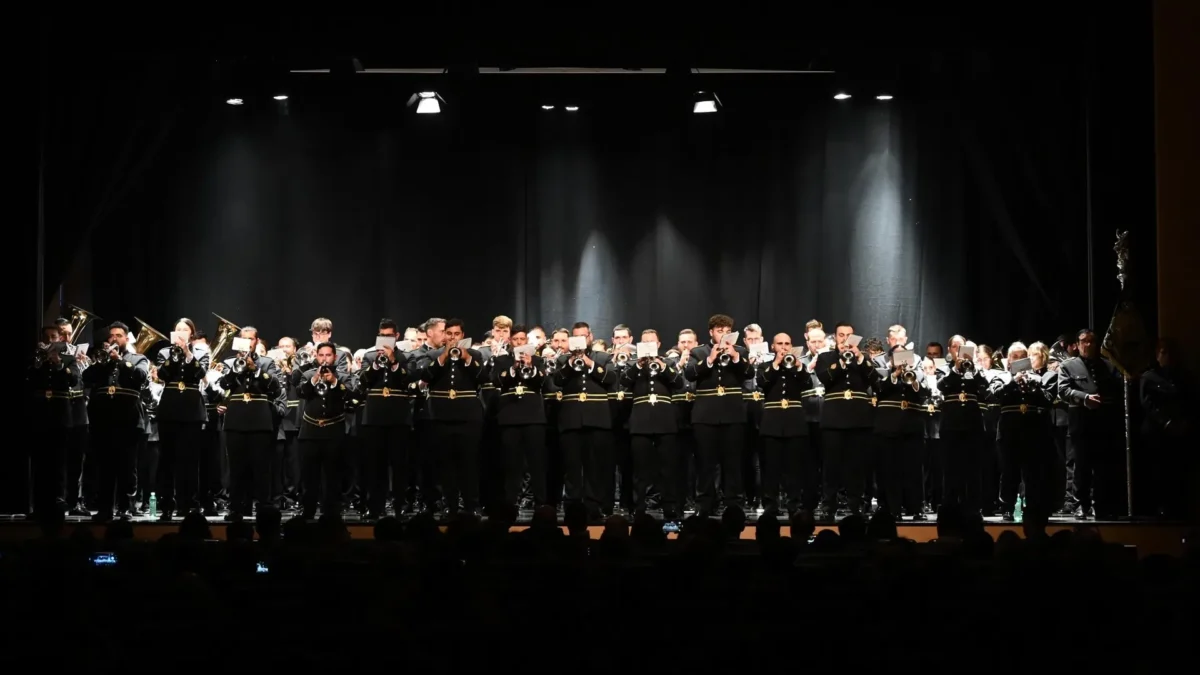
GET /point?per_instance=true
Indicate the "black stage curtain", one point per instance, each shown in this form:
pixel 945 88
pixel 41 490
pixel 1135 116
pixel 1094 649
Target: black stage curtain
pixel 784 207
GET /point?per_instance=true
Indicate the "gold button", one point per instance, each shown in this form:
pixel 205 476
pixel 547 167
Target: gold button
pixel 720 390
pixel 520 389
pixel 112 390
pixel 558 395
pixel 620 395
pixel 246 398
pixel 931 408
pixel 182 386
pixel 452 394
pixel 582 397
pixel 904 405
pixel 690 396
pixel 653 398
pixel 847 394
pixel 757 396
pixel 962 397
pixel 784 404
pixel 1024 408
pixel 49 393
pixel 387 392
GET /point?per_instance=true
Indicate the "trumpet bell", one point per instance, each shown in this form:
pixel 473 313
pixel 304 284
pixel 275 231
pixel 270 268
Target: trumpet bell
pixel 789 361
pixel 577 364
pixel 147 337
pixel 226 330
pixel 79 318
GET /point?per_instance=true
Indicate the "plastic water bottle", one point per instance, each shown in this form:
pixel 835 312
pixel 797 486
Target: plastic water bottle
pixel 153 505
pixel 1017 509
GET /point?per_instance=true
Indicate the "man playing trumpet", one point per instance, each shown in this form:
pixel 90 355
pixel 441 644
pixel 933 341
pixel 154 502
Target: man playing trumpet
pixel 254 400
pixel 787 455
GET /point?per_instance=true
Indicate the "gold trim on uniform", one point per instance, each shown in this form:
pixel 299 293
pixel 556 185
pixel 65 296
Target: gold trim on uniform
pixel 621 395
pixel 783 404
pixel 583 397
pixel 452 394
pixel 520 390
pixel 1024 408
pixel 932 408
pixel 653 398
pixel 558 395
pixel 848 394
pixel 323 422
pixel 246 398
pixel 181 386
pixel 720 390
pixel 387 392
pixel 112 390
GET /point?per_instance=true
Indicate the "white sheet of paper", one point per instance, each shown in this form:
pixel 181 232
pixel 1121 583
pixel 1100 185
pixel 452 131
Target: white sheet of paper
pixel 901 357
pixel 966 352
pixel 464 344
pixel 647 350
pixel 241 344
pixel 382 341
pixel 176 336
pixel 576 343
pixel 729 339
pixel 524 350
pixel 276 354
pixel 212 376
pixel 404 346
pixel 760 349
pixel 908 347
pixel 1020 365
pixel 853 340
pixel 82 349
pixel 939 363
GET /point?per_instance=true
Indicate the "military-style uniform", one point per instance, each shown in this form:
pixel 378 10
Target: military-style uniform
pixel 752 445
pixel 50 413
pixel 989 448
pixel 620 402
pixel 962 437
pixel 385 427
pixel 1167 399
pixel 424 487
pixel 554 456
pixel 718 421
pixel 787 455
pixel 456 416
pixel 934 456
pixel 685 439
pixel 117 416
pixel 521 417
pixel 286 469
pixel 1062 478
pixel 900 417
pixel 652 430
pixel 1098 435
pixel 585 432
pixel 1025 438
pixel 214 461
pixel 813 399
pixel 254 400
pixel 181 417
pixel 322 438
pixel 847 419
pixel 80 491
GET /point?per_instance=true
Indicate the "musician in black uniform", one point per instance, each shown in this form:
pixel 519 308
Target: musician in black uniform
pixel 585 425
pixel 900 417
pixel 323 430
pixel 116 380
pixel 814 397
pixel 181 418
pixel 685 439
pixel 787 455
pixel 620 402
pixel 989 366
pixel 752 394
pixel 521 416
pixel 286 471
pixel 1024 432
pixel 1167 395
pixel 456 418
pixel 932 459
pixel 78 490
pixel 424 491
pixel 551 398
pixel 386 424
pixel 1093 389
pixel 254 400
pixel 718 415
pixel 962 430
pixel 48 382
pixel 491 459
pixel 1062 478
pixel 847 419
pixel 214 465
pixel 651 383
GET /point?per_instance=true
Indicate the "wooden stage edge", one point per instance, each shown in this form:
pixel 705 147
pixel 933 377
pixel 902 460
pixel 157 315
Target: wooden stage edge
pixel 1148 538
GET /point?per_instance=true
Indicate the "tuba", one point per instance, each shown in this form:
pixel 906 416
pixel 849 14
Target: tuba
pixel 223 339
pixel 147 337
pixel 79 318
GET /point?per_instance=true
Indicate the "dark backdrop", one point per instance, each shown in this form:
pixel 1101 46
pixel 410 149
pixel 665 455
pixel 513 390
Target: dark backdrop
pixel 786 206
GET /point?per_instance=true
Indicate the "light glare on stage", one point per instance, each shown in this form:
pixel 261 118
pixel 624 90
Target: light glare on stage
pixel 841 97
pixel 429 103
pixel 884 97
pixel 280 97
pixel 705 102
pixel 572 108
pixel 547 107
pixel 234 101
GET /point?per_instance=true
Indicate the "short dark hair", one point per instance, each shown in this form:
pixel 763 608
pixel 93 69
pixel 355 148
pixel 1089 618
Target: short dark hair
pixel 51 329
pixel 388 323
pixel 201 335
pixel 517 328
pixel 720 321
pixel 246 328
pixel 842 324
pixel 560 330
pixel 451 323
pixel 536 326
pixel 940 346
pixel 620 327
pixel 62 321
pixel 648 331
pixel 118 324
pixel 289 338
pixel 331 346
pixel 581 324
pixel 1083 331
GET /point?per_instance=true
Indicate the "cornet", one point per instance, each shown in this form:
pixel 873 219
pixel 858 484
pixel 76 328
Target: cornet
pixel 241 362
pixel 655 368
pixel 847 358
pixel 527 372
pixel 578 364
pixel 322 385
pixel 909 376
pixel 789 361
pixel 622 358
pixel 964 366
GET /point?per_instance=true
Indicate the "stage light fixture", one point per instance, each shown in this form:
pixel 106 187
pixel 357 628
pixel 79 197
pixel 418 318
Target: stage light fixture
pixel 841 97
pixel 884 97
pixel 234 101
pixel 572 108
pixel 428 102
pixel 706 102
pixel 280 97
pixel 547 107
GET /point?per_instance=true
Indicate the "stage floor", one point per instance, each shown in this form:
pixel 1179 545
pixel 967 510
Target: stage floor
pixel 1149 537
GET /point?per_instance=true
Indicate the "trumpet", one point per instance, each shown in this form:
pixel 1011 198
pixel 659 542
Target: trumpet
pixel 789 361
pixel 724 359
pixel 242 362
pixel 322 385
pixel 527 371
pixel 655 367
pixel 578 364
pixel 622 358
pixel 1023 380
pixel 455 353
pixel 176 354
pixel 41 355
pixel 909 376
pixel 964 366
pixel 847 358
pixel 302 359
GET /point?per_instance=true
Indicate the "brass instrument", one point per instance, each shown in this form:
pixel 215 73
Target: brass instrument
pixel 847 358
pixel 302 359
pixel 147 337
pixel 672 354
pixel 1024 382
pixel 455 353
pixel 909 376
pixel 577 363
pixel 789 361
pixel 322 385
pixel 41 355
pixel 527 371
pixel 964 366
pixel 226 331
pixel 655 368
pixel 79 318
pixel 724 359
pixel 622 358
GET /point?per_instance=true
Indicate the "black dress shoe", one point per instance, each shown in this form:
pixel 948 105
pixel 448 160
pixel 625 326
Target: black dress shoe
pixel 919 516
pixel 1085 514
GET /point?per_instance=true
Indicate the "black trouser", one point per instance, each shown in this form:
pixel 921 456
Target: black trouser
pixel 212 458
pixel 524 448
pixel 588 468
pixel 752 461
pixel 847 456
pixel 1100 471
pixel 685 442
pixel 145 471
pixel 115 451
pixel 384 448
pixel 49 456
pixel 789 462
pixel 492 476
pixel 250 455
pixel 991 469
pixel 960 482
pixel 655 462
pixel 554 464
pixel 423 480
pixel 1063 476
pixel 719 444
pixel 77 443
pixel 178 474
pixel 351 452
pixel 1027 456
pixel 457 445
pixel 899 460
pixel 322 457
pixel 623 469
pixel 286 469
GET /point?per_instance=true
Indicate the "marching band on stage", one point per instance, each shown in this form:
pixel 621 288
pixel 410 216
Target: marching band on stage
pixel 429 419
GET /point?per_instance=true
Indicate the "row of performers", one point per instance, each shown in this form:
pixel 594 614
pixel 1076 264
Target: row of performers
pixel 870 415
